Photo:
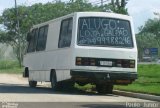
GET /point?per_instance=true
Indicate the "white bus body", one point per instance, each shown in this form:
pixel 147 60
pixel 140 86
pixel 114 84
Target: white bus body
pixel 83 47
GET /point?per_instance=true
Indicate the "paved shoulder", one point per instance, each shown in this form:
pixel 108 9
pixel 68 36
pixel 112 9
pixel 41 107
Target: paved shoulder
pixel 14 88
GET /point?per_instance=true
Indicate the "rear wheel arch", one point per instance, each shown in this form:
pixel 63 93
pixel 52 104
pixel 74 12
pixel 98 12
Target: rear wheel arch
pixel 53 80
pixel 32 83
pixel 53 72
pixel 26 72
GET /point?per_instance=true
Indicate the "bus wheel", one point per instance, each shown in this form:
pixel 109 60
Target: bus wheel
pixel 67 85
pixel 104 89
pixel 32 83
pixel 109 88
pixel 54 83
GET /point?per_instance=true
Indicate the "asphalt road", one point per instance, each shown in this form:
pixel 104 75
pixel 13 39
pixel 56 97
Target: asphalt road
pixel 15 89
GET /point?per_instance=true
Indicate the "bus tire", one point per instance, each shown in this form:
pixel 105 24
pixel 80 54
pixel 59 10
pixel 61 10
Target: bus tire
pixel 109 88
pixel 67 85
pixel 104 89
pixel 32 83
pixel 54 83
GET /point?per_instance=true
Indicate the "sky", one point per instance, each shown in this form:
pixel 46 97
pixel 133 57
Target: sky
pixel 140 10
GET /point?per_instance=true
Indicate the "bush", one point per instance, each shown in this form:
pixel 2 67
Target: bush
pixel 8 64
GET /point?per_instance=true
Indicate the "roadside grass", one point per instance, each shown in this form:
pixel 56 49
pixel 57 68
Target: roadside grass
pixel 148 80
pixel 87 87
pixel 10 67
pixel 12 71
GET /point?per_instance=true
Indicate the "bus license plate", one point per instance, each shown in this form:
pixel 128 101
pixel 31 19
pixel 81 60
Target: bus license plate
pixel 106 63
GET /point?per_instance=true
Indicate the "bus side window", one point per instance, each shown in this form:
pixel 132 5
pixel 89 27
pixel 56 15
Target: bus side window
pixel 42 38
pixel 31 41
pixel 35 39
pixel 65 33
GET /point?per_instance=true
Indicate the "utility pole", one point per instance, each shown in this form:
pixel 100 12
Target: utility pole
pixel 101 2
pixel 18 34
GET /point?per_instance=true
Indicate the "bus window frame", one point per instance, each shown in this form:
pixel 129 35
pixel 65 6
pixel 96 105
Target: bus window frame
pixel 60 32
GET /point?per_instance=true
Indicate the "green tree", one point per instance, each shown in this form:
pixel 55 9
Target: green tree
pixel 145 40
pixel 9 36
pixel 38 13
pixel 152 26
pixel 149 35
pixel 31 15
pixel 2 51
pixel 118 6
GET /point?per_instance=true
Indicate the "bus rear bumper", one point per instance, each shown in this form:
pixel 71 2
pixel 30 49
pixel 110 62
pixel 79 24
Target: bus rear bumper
pixel 95 77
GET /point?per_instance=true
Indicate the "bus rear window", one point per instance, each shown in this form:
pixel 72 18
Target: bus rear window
pixel 98 31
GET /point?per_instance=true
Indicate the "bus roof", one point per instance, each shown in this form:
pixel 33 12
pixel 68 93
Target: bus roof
pixel 87 14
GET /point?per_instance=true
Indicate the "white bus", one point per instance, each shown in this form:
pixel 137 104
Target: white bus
pixel 83 47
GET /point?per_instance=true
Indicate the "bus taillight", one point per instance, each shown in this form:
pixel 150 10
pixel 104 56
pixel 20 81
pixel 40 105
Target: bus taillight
pixel 132 64
pixel 85 61
pixel 78 61
pixel 128 63
pixel 92 62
